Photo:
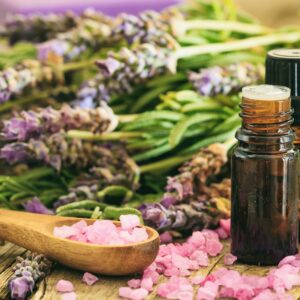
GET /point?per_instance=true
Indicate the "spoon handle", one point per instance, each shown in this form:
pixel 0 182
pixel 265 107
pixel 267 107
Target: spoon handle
pixel 24 229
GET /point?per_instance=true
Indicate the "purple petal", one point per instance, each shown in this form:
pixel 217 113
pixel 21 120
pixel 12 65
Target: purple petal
pixel 36 206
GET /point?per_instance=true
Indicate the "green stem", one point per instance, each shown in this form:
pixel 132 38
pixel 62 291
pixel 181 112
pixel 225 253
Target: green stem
pixel 179 28
pixel 264 40
pixel 164 164
pixel 127 118
pixel 72 66
pixel 112 136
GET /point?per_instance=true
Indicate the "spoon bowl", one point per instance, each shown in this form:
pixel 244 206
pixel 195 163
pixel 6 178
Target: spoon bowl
pixel 35 232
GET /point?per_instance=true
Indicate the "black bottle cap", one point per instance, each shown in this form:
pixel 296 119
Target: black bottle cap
pixel 283 68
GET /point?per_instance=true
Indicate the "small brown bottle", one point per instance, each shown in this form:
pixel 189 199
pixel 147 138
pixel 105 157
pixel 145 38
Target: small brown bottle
pixel 264 215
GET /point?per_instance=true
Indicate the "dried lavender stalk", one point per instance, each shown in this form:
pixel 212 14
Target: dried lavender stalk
pixel 189 204
pixel 147 27
pixel 186 217
pixel 193 175
pixel 114 168
pixel 121 71
pixel 90 34
pixel 27 273
pixel 28 74
pixel 226 80
pixel 36 27
pixel 32 124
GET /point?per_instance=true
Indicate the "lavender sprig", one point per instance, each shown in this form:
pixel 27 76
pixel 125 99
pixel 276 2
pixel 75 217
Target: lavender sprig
pixel 121 71
pixel 32 124
pixel 27 273
pixel 147 27
pixel 90 34
pixel 226 80
pixel 28 74
pixel 114 168
pixel 36 27
pixel 188 203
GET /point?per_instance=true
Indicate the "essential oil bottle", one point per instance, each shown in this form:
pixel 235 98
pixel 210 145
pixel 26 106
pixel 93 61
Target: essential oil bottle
pixel 264 216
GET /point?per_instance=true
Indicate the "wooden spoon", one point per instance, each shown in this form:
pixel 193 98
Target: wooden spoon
pixel 35 232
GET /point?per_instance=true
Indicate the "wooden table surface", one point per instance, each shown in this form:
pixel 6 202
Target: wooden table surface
pixel 107 287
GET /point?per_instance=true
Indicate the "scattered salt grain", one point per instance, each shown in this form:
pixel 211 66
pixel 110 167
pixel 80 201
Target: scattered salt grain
pixel 89 278
pixel 64 286
pixel 166 237
pixel 105 232
pixel 229 259
pixel 69 296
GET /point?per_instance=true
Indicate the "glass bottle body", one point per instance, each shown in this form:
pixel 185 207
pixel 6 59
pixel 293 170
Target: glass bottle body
pixel 265 204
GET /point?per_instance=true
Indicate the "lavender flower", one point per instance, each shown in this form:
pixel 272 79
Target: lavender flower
pixel 114 168
pixel 147 27
pixel 36 206
pixel 28 74
pixel 225 80
pixel 33 124
pixel 89 34
pixel 27 272
pixel 37 27
pixel 188 203
pixel 121 71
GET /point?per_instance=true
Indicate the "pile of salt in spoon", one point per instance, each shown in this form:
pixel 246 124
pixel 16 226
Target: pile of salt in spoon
pixel 105 232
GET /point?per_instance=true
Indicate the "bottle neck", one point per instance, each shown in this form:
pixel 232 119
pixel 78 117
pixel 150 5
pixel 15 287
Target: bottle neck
pixel 266 126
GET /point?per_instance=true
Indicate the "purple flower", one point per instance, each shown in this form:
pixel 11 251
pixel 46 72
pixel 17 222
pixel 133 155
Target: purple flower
pixel 54 46
pixel 20 287
pixel 13 153
pixel 109 66
pixel 36 206
pixel 21 128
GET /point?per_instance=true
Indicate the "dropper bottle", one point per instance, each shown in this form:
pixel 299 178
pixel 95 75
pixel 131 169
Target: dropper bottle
pixel 264 212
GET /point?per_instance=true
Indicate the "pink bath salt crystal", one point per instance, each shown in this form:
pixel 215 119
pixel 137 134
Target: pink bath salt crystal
pixel 256 282
pixel 223 235
pixel 201 257
pixel 89 278
pixel 134 283
pixel 163 250
pixel 227 292
pixel 133 294
pixel 193 265
pixel 81 225
pixel 208 292
pixel 197 280
pixel 79 238
pixel 210 234
pixel 231 279
pixel 128 222
pixel 166 237
pixel 213 247
pixel 180 262
pixel 197 239
pixel 147 284
pixel 174 287
pixel 65 232
pixel 226 224
pixel 285 278
pixel 184 272
pixel 172 271
pixel 229 259
pixel 153 274
pixel 244 292
pixel 139 234
pixel 139 294
pixel 266 295
pixel 126 237
pixel 187 249
pixel 69 296
pixel 287 260
pixel 64 286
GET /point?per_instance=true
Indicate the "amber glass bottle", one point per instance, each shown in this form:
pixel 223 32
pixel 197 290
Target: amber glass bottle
pixel 264 220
